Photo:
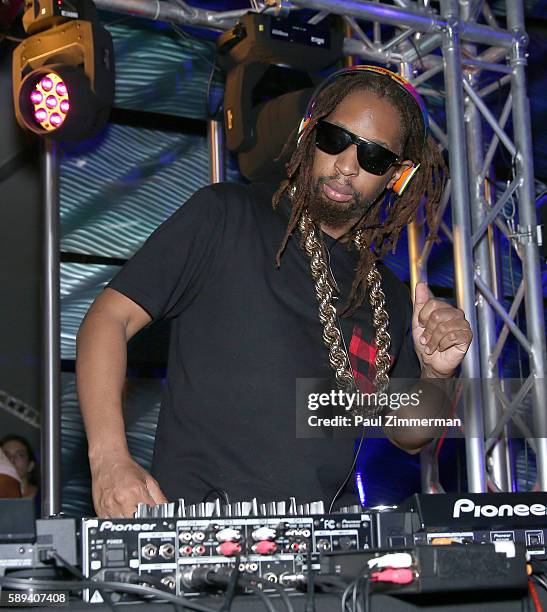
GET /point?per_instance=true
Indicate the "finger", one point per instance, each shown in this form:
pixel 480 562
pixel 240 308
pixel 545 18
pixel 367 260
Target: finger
pixel 460 339
pixel 432 305
pixel 124 503
pixel 421 296
pixel 441 321
pixel 444 330
pixel 155 491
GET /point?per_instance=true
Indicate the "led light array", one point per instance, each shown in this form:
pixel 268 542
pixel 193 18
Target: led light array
pixel 51 101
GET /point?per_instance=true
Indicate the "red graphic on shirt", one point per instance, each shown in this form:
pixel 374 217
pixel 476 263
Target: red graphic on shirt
pixel 362 356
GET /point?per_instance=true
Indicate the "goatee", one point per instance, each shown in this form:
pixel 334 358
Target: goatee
pixel 337 215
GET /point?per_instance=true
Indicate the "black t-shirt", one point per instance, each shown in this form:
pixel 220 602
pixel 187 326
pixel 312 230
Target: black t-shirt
pixel 243 331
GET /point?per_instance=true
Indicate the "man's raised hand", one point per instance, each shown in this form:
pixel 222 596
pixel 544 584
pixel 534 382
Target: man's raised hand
pixel 440 332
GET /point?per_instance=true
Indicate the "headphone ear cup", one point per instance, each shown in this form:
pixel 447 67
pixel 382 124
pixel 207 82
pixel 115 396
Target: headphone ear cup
pixel 303 125
pixel 404 179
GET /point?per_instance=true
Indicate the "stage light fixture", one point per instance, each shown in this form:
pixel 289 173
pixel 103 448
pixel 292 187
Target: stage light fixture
pixel 271 65
pixel 63 74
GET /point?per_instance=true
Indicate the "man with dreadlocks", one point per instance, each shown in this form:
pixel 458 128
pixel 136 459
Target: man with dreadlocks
pixel 267 285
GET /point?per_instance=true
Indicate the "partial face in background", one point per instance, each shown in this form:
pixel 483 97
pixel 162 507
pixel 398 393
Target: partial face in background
pixel 343 190
pixel 17 453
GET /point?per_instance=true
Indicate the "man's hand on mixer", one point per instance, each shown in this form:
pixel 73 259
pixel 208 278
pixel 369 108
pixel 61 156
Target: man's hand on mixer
pixel 119 484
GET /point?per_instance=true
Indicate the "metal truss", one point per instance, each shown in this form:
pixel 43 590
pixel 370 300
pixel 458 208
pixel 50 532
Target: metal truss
pixel 452 43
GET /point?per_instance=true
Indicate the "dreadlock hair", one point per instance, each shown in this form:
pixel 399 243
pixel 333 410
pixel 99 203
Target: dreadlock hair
pixel 376 236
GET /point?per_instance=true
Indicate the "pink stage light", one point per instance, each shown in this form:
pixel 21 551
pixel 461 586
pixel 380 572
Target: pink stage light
pixel 56 119
pixel 61 89
pixel 52 101
pixel 65 106
pixel 46 83
pixel 36 97
pixel 40 115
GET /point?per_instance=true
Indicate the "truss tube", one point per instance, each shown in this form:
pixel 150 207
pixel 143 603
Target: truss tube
pixel 527 219
pixel 495 139
pixel 375 11
pixel 491 120
pixel 423 46
pixel 485 290
pixel 217 152
pixel 461 225
pixel 492 211
pixel 429 468
pixel 486 91
pixel 497 460
pixel 517 299
pixel 51 422
pixel 167 11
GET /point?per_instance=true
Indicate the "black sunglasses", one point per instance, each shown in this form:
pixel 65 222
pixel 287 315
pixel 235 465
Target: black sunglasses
pixel 372 157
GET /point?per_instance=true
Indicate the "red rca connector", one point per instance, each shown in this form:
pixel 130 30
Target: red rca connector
pixel 265 547
pixel 198 550
pixel 396 576
pixel 229 549
pixel 295 546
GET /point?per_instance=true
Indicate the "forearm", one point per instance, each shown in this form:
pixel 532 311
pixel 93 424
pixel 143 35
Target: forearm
pixel 435 401
pixel 101 361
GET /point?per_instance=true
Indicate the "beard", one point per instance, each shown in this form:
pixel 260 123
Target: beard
pixel 337 215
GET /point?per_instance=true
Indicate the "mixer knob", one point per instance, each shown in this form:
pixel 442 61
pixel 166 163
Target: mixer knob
pixel 292 506
pixel 246 508
pixel 216 508
pixel 192 510
pixel 271 509
pixel 264 509
pixel 307 509
pixel 300 509
pixel 142 511
pixel 181 509
pixel 317 507
pixel 281 508
pixel 227 510
pixel 236 509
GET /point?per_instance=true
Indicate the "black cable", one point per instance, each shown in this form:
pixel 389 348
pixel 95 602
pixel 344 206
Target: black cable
pixel 219 492
pixel 345 595
pixel 121 587
pixel 267 603
pixel 540 580
pixel 355 604
pixel 76 572
pixel 212 114
pixel 187 37
pixel 329 583
pixel 231 588
pixel 134 578
pixel 422 66
pixel 271 585
pixel 154 581
pixel 366 594
pixel 350 472
pixel 310 603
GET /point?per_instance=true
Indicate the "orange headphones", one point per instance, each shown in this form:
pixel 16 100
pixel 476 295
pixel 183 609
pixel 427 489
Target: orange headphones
pixel 408 173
